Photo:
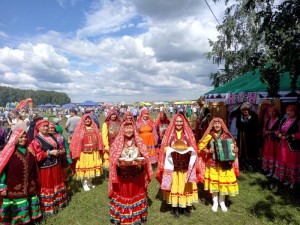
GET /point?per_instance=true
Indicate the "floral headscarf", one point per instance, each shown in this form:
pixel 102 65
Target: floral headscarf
pixel 77 138
pixel 158 120
pixel 226 132
pixel 115 153
pixel 10 147
pixel 166 142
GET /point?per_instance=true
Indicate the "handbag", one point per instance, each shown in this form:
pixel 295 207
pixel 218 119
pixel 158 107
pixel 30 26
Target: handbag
pixel 293 144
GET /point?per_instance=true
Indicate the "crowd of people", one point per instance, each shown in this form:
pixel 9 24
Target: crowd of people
pixel 39 165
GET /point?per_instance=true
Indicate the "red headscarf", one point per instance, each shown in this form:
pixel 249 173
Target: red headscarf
pixel 166 142
pixel 126 114
pixel 291 108
pixel 202 158
pixel 39 124
pixel 77 138
pixel 110 113
pixel 140 119
pixel 10 147
pixel 115 153
pixel 159 121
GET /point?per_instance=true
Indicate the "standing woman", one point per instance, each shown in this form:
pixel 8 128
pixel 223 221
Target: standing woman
pixel 271 141
pixel 86 150
pixel 219 177
pixel 147 132
pixel 161 124
pixel 47 152
pixel 288 160
pixel 177 166
pixel 110 130
pixel 19 185
pixel 127 188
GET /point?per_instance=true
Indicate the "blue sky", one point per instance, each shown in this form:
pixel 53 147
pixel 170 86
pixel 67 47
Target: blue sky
pixel 112 51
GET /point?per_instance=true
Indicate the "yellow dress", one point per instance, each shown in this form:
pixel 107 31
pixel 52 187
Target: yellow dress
pixel 217 179
pixel 89 164
pixel 182 194
pixel 104 132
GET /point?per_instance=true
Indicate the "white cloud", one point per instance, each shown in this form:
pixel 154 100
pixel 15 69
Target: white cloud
pixel 165 62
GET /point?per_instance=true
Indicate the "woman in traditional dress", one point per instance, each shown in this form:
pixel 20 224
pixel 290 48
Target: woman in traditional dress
pixel 127 187
pixel 47 152
pixel 288 159
pixel 271 141
pixel 65 159
pixel 128 116
pixel 161 124
pixel 147 132
pixel 177 166
pixel 19 185
pixel 110 130
pixel 219 177
pixel 87 150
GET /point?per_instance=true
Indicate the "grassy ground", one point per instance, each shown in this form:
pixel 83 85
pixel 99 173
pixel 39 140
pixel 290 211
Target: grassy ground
pixel 261 201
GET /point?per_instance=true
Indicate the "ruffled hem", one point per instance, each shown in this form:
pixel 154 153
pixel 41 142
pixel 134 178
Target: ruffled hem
pixel 128 210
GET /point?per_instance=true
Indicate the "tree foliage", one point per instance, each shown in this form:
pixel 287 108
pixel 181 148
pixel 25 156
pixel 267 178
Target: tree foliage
pixel 8 94
pixel 258 34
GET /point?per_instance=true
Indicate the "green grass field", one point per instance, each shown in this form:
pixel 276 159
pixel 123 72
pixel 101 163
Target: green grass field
pixel 261 201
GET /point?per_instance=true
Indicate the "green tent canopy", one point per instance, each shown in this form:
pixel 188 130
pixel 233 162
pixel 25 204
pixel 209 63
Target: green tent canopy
pixel 250 82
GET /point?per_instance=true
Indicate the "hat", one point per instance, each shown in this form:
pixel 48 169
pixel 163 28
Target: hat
pixel 55 121
pixel 246 105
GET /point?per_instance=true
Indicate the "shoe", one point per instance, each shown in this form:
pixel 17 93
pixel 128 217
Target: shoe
pixel 286 183
pixel 292 186
pixel 222 203
pixel 175 212
pixel 270 174
pixel 215 206
pixel 89 183
pixel 85 186
pixel 187 212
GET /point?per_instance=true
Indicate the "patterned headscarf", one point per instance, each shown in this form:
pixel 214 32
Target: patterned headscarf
pixel 39 124
pixel 158 120
pixel 10 147
pixel 110 113
pixel 291 108
pixel 140 119
pixel 226 132
pixel 77 138
pixel 167 139
pixel 126 114
pixel 115 153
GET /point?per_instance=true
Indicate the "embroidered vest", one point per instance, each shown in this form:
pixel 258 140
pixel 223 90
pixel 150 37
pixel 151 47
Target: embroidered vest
pixel 22 180
pixel 45 146
pixel 90 141
pixel 113 131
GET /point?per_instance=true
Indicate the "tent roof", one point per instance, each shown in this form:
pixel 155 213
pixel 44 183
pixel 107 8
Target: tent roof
pixel 89 103
pixel 252 83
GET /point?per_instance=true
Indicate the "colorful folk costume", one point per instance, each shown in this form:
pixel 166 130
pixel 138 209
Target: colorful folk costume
pixel 271 141
pixel 86 150
pixel 178 165
pixel 247 140
pixel 288 158
pixel 127 188
pixel 203 119
pixel 53 188
pixel 19 185
pixel 161 124
pixel 147 132
pixel 220 176
pixel 65 158
pixel 110 130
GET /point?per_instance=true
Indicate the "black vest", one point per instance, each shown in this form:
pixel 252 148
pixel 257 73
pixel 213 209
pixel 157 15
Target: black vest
pixel 45 146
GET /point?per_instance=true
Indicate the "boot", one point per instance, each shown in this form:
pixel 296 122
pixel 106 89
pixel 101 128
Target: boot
pixel 85 185
pixel 89 183
pixel 215 202
pixel 222 203
pixel 175 212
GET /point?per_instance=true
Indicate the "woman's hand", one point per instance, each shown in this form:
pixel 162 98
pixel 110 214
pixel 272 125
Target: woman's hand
pixel 3 193
pixel 54 152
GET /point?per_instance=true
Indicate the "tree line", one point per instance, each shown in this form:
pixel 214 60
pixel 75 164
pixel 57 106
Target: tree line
pixel 9 94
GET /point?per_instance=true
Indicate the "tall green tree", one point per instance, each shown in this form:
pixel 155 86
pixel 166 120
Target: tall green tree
pixel 258 34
